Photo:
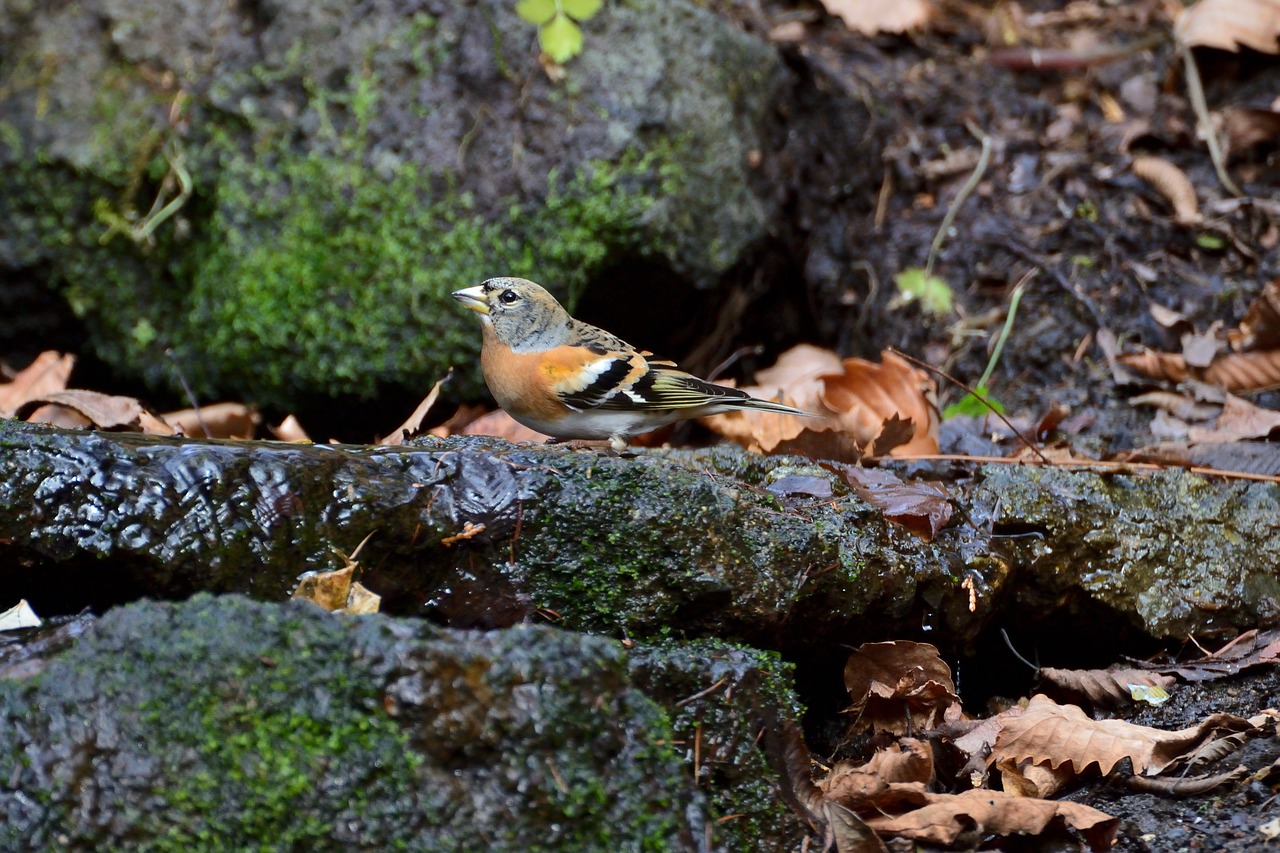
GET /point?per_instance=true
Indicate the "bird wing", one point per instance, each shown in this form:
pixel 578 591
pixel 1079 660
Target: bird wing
pixel 661 387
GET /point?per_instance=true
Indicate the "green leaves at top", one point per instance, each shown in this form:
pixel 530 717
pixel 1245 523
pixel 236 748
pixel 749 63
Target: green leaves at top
pixel 561 39
pixel 933 293
pixel 537 11
pixel 558 35
pixel 581 10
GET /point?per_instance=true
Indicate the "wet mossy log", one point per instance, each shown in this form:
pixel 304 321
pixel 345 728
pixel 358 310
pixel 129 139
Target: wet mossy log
pixel 478 532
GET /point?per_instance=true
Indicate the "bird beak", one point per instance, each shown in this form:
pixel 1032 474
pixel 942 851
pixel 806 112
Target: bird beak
pixel 473 298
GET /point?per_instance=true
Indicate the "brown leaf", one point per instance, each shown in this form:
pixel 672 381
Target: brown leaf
pixel 855 786
pixel 1260 328
pixel 1239 420
pixel 1201 348
pixel 1104 688
pixel 221 420
pixel 865 395
pixel 896 686
pixel 1238 372
pixel 1228 24
pixel 881 16
pixel 46 375
pixel 922 508
pixel 1172 183
pixel 862 403
pixel 290 429
pixel 1027 779
pixel 1247 457
pixel 945 817
pixel 1250 649
pixel 105 411
pixel 1046 732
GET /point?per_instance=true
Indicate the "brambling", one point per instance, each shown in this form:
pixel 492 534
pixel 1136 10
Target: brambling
pixel 568 379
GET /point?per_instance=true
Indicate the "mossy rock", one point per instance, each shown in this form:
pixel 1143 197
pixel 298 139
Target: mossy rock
pixel 282 207
pixel 221 724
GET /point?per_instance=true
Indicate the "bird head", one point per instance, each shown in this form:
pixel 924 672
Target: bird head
pixel 521 313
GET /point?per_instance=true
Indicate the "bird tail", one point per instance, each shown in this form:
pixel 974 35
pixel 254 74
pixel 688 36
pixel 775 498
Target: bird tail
pixel 766 406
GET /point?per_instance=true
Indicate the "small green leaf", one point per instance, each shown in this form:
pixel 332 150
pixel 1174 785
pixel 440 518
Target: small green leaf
pixel 934 293
pixel 1210 242
pixel 971 405
pixel 536 11
pixel 561 39
pixel 581 9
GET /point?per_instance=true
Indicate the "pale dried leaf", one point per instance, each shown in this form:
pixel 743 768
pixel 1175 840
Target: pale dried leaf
pixel 1105 688
pixel 290 429
pixel 19 616
pixel 1172 183
pixel 1240 420
pixel 870 17
pixel 1200 348
pixel 945 817
pixel 1180 405
pixel 1048 733
pixel 59 416
pixel 217 420
pixel 1230 24
pixel 103 411
pixel 361 600
pixel 47 374
pixel 330 590
pixel 896 686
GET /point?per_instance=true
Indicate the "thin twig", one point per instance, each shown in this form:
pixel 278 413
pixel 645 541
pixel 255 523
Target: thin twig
pixel 1195 90
pixel 969 185
pixel 186 389
pixel 947 376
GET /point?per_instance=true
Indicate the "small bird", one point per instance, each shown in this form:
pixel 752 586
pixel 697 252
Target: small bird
pixel 568 379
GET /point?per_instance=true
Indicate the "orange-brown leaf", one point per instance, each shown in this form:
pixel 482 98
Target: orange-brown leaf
pixel 218 420
pixel 922 508
pixel 1260 328
pixel 946 816
pixel 898 685
pixel 105 411
pixel 865 396
pixel 46 375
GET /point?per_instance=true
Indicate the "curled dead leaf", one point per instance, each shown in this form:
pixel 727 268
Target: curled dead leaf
pixel 1228 24
pixel 944 817
pixel 1260 328
pixel 1172 183
pixel 102 411
pixel 47 374
pixel 1104 688
pixel 898 685
pixel 218 420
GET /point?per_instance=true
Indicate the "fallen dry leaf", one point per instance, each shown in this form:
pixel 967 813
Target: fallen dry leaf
pixel 47 374
pixel 336 591
pixel 1172 183
pixel 290 429
pixel 1247 128
pixel 1239 420
pixel 1048 733
pixel 944 817
pixel 899 686
pixel 1236 372
pixel 1261 458
pixel 103 411
pixel 1228 24
pixel 217 420
pixel 1260 328
pixel 923 508
pixel 888 407
pixel 1104 688
pixel 1028 779
pixel 856 785
pixel 870 17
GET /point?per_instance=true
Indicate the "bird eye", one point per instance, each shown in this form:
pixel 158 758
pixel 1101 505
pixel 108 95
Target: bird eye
pixel 508 296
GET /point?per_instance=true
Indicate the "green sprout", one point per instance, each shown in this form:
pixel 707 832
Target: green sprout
pixel 978 401
pixel 558 35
